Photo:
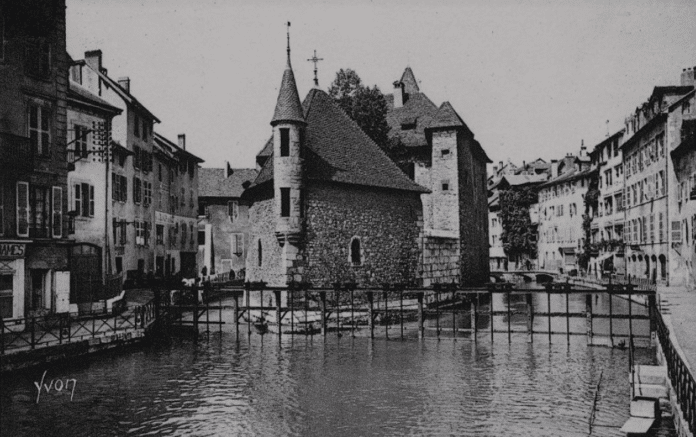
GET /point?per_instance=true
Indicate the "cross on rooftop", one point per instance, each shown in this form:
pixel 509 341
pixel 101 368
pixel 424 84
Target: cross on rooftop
pixel 315 60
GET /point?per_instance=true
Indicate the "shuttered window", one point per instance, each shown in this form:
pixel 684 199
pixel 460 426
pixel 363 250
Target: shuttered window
pixel 238 244
pixel 285 202
pixel 57 212
pixel 22 209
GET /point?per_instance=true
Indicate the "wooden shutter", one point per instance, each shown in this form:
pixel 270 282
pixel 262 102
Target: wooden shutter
pixel 91 200
pixel 676 231
pixel 57 215
pixel 22 209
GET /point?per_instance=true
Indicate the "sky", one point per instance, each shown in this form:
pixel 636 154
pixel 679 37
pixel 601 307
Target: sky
pixel 530 78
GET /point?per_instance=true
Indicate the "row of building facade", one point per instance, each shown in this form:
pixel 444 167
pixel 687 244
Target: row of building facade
pixel 628 207
pixel 91 197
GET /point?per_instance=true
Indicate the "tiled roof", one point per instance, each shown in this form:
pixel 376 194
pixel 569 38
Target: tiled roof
pixel 288 106
pixel 79 94
pixel 172 148
pixel 213 183
pixel 417 107
pixel 445 117
pixel 337 150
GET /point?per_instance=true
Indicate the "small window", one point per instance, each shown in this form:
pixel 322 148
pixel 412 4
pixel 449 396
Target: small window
pixel 285 202
pixel 233 210
pixel 260 250
pixel 411 170
pixel 355 255
pixel 237 244
pixel 445 185
pixel 284 142
pixel 445 153
pixel 201 238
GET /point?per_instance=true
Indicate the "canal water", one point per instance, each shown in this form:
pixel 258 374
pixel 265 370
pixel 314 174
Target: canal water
pixel 223 384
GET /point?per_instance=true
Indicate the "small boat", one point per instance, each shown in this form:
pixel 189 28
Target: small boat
pixel 260 325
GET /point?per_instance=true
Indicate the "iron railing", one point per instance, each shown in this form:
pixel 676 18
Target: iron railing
pixel 679 374
pixel 50 330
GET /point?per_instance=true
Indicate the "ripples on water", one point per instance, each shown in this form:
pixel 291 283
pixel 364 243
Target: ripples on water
pixel 332 386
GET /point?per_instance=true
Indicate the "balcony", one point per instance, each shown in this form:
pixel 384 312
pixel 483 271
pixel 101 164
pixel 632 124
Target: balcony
pixel 16 154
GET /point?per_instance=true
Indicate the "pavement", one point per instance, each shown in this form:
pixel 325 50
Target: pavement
pixel 678 308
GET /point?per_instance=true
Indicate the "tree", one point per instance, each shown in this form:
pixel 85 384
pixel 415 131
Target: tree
pixel 364 105
pixel 519 234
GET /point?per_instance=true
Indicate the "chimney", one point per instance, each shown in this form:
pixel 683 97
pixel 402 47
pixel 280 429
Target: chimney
pixel 93 58
pixel 228 169
pixel 687 76
pixel 398 94
pixel 125 83
pixel 554 168
pixel 182 141
pixel 500 165
pixel 583 149
pixel 495 169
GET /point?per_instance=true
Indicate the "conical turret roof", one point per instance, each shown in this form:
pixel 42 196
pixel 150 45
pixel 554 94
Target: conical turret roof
pixel 409 81
pixel 288 108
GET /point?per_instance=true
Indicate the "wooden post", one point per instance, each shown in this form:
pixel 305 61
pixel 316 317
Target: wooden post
pixel 473 316
pixel 291 305
pixel 437 313
pixel 567 320
pixel 491 313
pixel 652 307
pixel 401 312
pixel 509 316
pixel 630 316
pixel 306 311
pixel 322 296
pixel 371 318
pixel 248 311
pixel 611 321
pixel 386 314
pixel 530 317
pixel 195 308
pixel 548 311
pixel 338 314
pixel 454 315
pixel 420 314
pixel 588 315
pixel 279 314
pixel 352 315
pixel 236 314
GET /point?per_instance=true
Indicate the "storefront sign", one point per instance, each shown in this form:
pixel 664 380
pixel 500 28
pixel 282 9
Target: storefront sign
pixel 12 250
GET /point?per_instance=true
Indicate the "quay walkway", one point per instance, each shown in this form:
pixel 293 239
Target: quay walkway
pixel 677 307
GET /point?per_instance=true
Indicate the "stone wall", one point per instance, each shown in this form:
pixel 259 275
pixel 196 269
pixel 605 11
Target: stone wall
pixel 263 225
pixel 440 260
pixel 473 213
pixel 386 222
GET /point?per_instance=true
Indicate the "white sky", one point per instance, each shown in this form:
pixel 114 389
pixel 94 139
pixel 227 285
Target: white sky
pixel 530 78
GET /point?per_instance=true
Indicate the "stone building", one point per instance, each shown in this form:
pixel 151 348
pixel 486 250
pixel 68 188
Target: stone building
pixel 132 174
pixel 681 140
pixel 175 200
pixel 647 169
pixel 328 205
pixel 442 155
pixel 89 198
pixel 33 178
pixel 608 220
pixel 560 213
pixel 224 227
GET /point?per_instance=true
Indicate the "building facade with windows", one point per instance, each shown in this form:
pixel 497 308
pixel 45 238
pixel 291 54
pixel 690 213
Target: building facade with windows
pixel 33 179
pixel 681 139
pixel 89 197
pixel 607 224
pixel 560 211
pixel 224 227
pixel 132 173
pixel 647 167
pixel 174 194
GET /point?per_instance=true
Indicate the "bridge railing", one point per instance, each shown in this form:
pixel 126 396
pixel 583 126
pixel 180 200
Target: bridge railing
pixel 54 329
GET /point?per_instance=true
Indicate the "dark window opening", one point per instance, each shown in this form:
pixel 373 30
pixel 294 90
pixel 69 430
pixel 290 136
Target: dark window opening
pixel 411 170
pixel 445 152
pixel 284 142
pixel 355 251
pixel 445 185
pixel 285 202
pixel 201 238
pixel 260 249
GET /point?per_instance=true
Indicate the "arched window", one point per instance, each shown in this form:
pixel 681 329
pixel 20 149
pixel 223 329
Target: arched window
pixel 355 255
pixel 260 250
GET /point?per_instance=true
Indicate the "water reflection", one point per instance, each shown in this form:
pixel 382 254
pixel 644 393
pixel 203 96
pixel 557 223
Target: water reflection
pixel 330 386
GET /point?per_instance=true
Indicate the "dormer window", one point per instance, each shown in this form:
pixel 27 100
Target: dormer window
pixel 408 123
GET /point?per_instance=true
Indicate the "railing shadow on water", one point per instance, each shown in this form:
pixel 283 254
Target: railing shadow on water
pixel 34 332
